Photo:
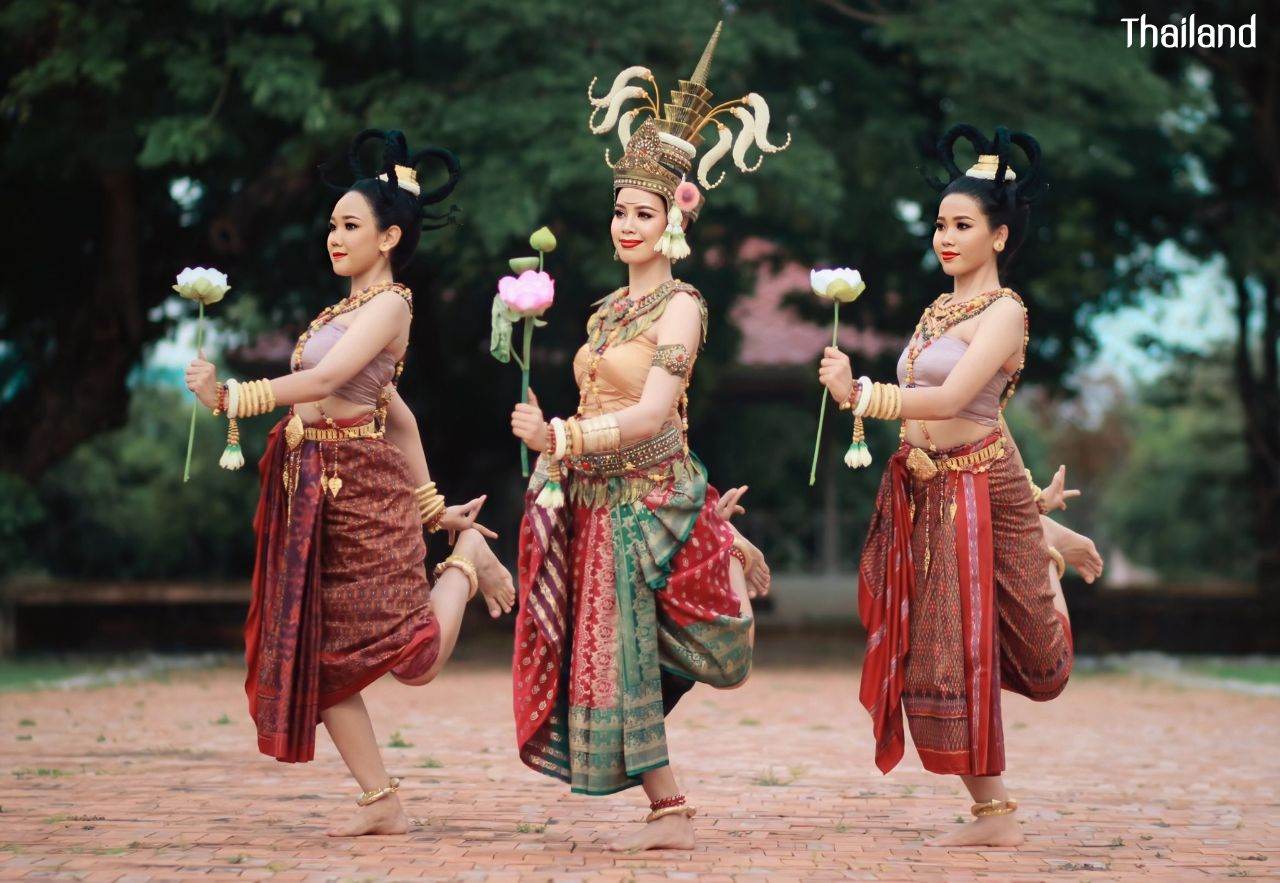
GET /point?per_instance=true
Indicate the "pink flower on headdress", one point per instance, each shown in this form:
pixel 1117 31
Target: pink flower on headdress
pixel 687 196
pixel 528 294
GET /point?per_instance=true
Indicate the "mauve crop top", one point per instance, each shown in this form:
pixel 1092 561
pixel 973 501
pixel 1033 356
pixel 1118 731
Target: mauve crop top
pixel 367 385
pixel 934 364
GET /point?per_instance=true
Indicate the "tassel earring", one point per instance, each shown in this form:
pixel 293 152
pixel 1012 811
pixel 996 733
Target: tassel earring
pixel 673 244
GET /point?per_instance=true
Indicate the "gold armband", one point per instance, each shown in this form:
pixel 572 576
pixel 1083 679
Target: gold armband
pixel 673 358
pixel 599 434
pixel 430 505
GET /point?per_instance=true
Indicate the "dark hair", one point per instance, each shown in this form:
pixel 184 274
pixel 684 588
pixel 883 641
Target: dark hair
pixel 1003 202
pixel 392 205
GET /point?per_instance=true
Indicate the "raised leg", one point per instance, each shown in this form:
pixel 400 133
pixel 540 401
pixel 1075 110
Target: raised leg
pixel 352 732
pixel 450 594
pixel 1001 830
pixel 669 832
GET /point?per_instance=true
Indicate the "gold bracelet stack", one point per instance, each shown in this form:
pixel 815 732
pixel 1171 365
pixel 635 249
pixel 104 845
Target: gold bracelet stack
pixel 430 505
pixel 595 434
pixel 885 401
pixel 256 397
pixel 1037 492
pixel 468 570
pixel 377 794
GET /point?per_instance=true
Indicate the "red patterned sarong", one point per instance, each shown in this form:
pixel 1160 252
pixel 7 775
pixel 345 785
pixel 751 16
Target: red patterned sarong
pixel 340 591
pixel 954 593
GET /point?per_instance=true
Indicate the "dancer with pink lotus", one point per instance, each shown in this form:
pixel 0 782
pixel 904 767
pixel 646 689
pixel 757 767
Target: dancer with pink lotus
pixel 633 584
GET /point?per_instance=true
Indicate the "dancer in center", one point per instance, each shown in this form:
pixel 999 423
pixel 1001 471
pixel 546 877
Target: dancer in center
pixel 633 583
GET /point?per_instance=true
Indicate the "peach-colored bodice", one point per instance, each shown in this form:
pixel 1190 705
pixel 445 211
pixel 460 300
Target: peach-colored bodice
pixel 625 365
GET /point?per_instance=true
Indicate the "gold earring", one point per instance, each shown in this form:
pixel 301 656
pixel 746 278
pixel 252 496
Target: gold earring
pixel 616 256
pixel 999 245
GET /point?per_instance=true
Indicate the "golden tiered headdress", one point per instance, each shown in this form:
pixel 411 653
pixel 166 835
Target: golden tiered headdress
pixel 659 156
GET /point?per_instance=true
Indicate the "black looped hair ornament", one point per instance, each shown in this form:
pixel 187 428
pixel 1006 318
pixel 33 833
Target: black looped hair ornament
pixel 397 172
pixel 994 162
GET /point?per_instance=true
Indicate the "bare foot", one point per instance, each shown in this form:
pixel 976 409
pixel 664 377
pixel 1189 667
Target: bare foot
pixel 384 817
pixel 668 832
pixel 986 831
pixel 1080 552
pixel 496 586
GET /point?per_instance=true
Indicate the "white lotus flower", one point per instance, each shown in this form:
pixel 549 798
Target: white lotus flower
pixel 842 283
pixel 203 284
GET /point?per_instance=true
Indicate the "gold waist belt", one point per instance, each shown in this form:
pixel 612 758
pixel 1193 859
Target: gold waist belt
pixel 342 433
pixel 925 466
pixel 639 455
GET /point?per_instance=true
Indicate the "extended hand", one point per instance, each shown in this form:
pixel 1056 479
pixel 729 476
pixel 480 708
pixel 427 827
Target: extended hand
pixel 836 374
pixel 527 424
pixel 729 505
pixel 458 518
pixel 1055 496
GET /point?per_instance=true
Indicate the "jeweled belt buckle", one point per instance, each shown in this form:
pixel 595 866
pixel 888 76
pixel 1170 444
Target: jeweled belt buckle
pixel 921 465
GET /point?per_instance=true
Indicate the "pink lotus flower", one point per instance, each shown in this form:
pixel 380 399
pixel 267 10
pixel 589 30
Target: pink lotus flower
pixel 528 294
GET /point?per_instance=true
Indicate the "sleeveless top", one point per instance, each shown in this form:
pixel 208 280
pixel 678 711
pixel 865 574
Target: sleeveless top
pixel 934 365
pixel 367 385
pixel 624 367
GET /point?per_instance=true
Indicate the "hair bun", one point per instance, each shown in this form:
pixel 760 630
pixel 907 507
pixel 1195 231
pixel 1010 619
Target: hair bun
pixel 395 153
pixel 1024 187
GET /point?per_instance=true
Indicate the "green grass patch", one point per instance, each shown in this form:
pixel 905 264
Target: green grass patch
pixel 1253 673
pixel 398 741
pixel 28 772
pixel 429 763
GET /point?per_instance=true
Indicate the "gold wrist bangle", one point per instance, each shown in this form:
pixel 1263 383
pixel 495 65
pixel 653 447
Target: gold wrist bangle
pixel 600 434
pixel 886 401
pixel 873 405
pixel 269 395
pixel 1058 561
pixel 574 427
pixel 468 570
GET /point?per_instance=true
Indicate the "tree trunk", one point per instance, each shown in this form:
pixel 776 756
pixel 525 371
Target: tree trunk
pixel 1259 390
pixel 80 389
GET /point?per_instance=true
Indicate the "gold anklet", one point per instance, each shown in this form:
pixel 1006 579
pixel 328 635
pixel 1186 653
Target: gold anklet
pixel 994 807
pixel 374 796
pixel 466 567
pixel 656 814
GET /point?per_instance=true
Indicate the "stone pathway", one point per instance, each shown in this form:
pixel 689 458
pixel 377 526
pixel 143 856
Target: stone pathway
pixel 1123 776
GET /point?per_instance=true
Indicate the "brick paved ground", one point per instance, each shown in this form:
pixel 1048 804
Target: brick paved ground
pixel 1119 777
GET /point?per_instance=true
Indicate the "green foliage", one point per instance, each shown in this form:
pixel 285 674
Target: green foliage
pixel 1177 501
pixel 118 509
pixel 106 104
